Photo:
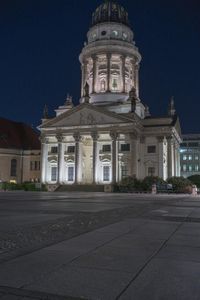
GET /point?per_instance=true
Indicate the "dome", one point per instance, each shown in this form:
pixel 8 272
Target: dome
pixel 110 11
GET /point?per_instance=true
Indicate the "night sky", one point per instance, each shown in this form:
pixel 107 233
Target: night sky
pixel 42 39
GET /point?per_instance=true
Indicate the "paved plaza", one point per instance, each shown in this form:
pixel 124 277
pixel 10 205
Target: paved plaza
pixel 99 246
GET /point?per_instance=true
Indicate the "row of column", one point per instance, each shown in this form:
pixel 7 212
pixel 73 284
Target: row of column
pixel 77 138
pixel 135 68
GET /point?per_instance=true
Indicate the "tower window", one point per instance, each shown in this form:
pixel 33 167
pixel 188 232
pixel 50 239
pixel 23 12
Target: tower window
pixel 103 33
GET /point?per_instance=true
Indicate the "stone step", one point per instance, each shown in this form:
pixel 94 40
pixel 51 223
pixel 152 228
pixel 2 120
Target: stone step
pixel 81 188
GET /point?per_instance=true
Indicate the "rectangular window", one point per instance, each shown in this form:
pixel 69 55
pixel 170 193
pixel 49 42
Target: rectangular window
pixel 184 157
pixel 184 168
pixel 106 173
pixel 151 149
pixel 36 165
pixel 190 157
pixel 193 144
pixel 151 171
pixel 196 168
pixel 106 148
pixel 53 173
pixel 31 165
pixel 70 149
pixel 70 173
pixel 54 150
pixel 124 172
pixel 190 168
pixel 125 147
pixel 196 157
pixel 13 168
pixel 183 145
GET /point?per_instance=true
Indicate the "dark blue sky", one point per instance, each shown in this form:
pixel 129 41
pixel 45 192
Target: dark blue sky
pixel 41 41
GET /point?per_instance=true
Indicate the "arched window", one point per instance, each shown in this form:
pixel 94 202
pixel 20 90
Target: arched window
pixel 13 168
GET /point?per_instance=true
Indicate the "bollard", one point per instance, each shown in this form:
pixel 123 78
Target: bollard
pixel 154 189
pixel 194 190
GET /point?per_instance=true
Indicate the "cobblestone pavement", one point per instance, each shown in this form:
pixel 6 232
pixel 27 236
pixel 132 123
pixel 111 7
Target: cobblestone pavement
pixel 36 226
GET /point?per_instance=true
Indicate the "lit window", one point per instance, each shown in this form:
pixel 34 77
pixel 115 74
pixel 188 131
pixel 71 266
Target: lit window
pixel 190 157
pixel 196 168
pixel 184 157
pixel 151 149
pixel 115 33
pixel 106 173
pixel 196 157
pixel 70 173
pixel 151 171
pixel 184 168
pixel 125 147
pixel 190 168
pixel 53 173
pixel 13 168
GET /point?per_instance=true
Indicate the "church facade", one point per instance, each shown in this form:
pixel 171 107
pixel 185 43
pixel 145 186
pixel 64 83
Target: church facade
pixel 110 134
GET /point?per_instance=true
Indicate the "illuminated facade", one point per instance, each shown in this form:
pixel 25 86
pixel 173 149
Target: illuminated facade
pixel 190 155
pixel 110 134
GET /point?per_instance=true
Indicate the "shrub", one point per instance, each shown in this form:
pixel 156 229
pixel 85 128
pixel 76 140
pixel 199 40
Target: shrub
pixel 180 184
pixel 148 181
pixel 195 179
pixel 129 184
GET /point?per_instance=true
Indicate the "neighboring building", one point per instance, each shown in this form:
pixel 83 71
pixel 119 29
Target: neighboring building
pixel 111 134
pixel 19 152
pixel 190 155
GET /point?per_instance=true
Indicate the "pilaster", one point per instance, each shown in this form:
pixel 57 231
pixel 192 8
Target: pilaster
pixel 114 136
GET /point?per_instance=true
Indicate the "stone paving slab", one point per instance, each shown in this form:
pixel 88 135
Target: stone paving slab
pixel 84 282
pixel 165 279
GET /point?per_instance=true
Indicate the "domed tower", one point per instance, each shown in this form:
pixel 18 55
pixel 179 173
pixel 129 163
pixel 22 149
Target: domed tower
pixel 110 60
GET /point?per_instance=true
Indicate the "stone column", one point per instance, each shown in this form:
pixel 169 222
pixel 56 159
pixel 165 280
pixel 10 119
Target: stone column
pixel 137 67
pixel 108 71
pixel 95 137
pixel 178 161
pixel 84 76
pixel 77 139
pixel 114 136
pixel 134 155
pixel 123 59
pixel 161 157
pixel 94 58
pixel 170 157
pixel 60 158
pixel 44 158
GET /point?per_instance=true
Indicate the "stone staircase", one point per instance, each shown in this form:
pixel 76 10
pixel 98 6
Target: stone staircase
pixel 81 188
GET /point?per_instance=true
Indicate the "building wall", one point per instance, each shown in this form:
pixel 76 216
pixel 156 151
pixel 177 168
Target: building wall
pixel 23 170
pixel 190 157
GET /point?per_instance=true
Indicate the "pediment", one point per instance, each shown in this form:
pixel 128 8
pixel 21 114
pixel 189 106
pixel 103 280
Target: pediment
pixel 85 115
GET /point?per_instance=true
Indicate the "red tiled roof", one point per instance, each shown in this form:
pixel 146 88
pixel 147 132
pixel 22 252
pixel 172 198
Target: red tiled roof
pixel 15 135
